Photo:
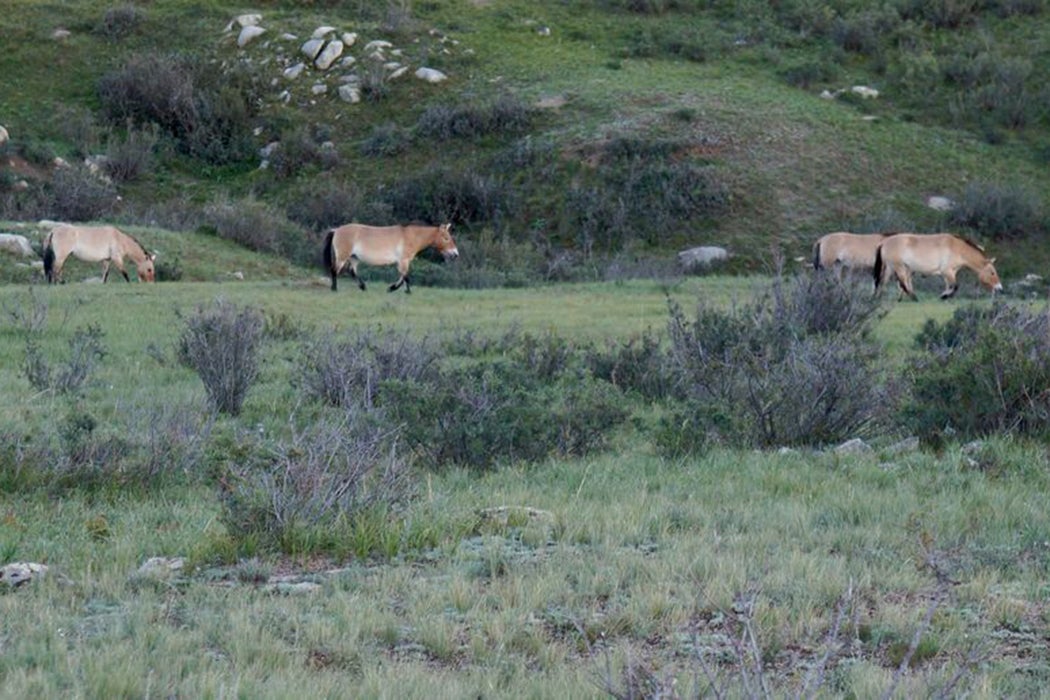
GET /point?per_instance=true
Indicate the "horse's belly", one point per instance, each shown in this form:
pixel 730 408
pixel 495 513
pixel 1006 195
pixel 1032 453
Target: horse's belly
pixel 376 257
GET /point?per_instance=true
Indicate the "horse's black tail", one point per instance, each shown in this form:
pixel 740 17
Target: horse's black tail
pixel 49 260
pixel 876 271
pixel 328 254
pixel 816 256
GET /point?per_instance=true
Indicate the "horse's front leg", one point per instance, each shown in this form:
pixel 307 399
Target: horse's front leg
pixel 951 286
pixel 353 274
pixel 402 268
pixel 105 271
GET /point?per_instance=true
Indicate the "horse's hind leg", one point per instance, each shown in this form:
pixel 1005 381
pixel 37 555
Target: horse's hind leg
pixel 951 286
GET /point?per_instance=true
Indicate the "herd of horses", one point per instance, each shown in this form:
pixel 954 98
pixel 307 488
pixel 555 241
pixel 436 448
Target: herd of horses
pixel 885 255
pixel 901 255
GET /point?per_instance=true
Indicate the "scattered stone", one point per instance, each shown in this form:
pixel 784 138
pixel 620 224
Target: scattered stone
pixel 300 588
pixel 398 72
pixel 909 444
pixel 430 75
pixel 853 447
pixel 248 34
pixel 328 55
pixel 293 72
pixel 162 567
pixel 61 34
pixel 701 255
pixel 237 275
pixel 350 93
pixel 377 45
pixel 21 572
pixel 864 92
pixel 4 136
pixel 16 245
pixel 312 47
pixel 938 203
pixel 349 38
pixel 322 32
pixel 246 20
pixel 319 89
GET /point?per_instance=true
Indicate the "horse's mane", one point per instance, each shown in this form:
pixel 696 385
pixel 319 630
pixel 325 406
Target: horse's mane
pixel 970 242
pixel 137 242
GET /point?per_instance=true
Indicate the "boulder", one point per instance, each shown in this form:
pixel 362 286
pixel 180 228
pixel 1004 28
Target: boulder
pixel 311 48
pixel 864 92
pixel 293 72
pixel 246 20
pixel 248 34
pixel 16 245
pixel 350 93
pixel 20 572
pixel 322 32
pixel 4 136
pixel 430 75
pixel 329 54
pixel 701 256
pixel 938 203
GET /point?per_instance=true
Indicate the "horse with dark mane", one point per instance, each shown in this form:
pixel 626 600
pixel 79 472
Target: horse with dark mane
pixel 383 245
pixel 105 244
pixel 944 254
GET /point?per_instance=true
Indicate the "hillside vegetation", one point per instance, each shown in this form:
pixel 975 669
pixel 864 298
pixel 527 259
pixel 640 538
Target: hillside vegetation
pixel 568 142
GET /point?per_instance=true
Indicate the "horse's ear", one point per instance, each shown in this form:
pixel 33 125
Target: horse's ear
pixel 152 257
pixel 991 261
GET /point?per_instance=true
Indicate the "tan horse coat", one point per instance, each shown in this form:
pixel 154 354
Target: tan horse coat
pixel 942 254
pixel 105 244
pixel 383 245
pixel 847 251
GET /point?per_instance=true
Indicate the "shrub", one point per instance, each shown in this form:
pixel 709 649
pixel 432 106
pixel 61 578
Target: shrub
pixel 77 194
pixel 982 373
pixel 349 372
pixel 1001 212
pixel 792 367
pixel 440 195
pixel 120 22
pixel 386 140
pixel 132 156
pixel 484 414
pixel 298 150
pixel 86 349
pixel 506 116
pixel 637 364
pixel 222 344
pixel 259 226
pixel 208 114
pixel 323 476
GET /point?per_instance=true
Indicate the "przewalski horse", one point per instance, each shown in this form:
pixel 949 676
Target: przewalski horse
pixel 846 252
pixel 105 244
pixel 383 245
pixel 905 254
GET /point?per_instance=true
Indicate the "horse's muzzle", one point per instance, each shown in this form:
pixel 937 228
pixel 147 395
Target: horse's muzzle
pixel 451 254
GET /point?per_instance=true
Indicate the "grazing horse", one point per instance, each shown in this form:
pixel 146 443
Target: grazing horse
pixel 932 254
pixel 847 251
pixel 383 245
pixel 105 244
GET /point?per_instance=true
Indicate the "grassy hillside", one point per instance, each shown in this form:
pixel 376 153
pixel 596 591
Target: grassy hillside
pixel 626 131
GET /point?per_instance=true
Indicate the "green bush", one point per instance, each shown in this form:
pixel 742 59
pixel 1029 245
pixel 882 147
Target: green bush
pixel 1000 211
pixel 222 345
pixel 981 373
pixel 486 414
pixel 792 367
pixel 77 194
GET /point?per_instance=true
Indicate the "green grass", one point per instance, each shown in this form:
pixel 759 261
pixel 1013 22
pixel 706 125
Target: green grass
pixel 641 559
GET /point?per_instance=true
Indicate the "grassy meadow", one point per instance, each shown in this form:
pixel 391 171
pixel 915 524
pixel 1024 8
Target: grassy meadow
pixel 738 573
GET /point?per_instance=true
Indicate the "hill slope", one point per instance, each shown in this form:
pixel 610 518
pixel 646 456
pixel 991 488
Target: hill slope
pixel 562 138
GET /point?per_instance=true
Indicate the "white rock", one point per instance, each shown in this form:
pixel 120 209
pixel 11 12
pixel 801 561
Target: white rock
pixel 319 89
pixel 939 203
pixel 322 31
pixel 4 136
pixel 349 38
pixel 701 255
pixel 331 51
pixel 391 65
pixel 60 34
pixel 430 75
pixel 19 572
pixel 399 72
pixel 16 245
pixel 377 45
pixel 347 61
pixel 249 33
pixel 161 567
pixel 312 47
pixel 246 20
pixel 59 162
pixel 864 91
pixel 350 93
pixel 293 72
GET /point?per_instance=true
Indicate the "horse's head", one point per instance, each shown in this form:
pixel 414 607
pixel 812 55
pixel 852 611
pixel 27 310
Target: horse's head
pixel 146 270
pixel 988 276
pixel 444 243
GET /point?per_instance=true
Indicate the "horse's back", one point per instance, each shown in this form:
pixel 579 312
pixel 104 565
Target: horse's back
pixel 849 249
